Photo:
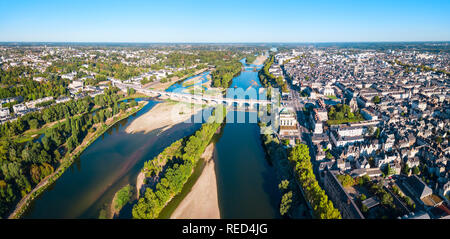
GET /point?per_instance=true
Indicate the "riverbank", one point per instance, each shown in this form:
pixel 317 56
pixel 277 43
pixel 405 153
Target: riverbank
pixel 173 80
pixel 278 157
pixel 191 81
pixel 162 116
pixel 139 182
pixel 202 201
pixel 67 161
pixel 169 178
pixel 120 199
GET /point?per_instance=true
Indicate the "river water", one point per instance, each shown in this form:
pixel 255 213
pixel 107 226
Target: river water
pixel 247 185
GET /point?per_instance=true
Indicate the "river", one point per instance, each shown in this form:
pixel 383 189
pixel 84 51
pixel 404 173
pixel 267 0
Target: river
pixel 247 185
pixel 108 164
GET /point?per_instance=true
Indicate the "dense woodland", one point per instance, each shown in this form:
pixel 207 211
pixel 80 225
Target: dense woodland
pixel 16 81
pixel 226 64
pixel 101 67
pixel 171 169
pixel 225 72
pixel 24 164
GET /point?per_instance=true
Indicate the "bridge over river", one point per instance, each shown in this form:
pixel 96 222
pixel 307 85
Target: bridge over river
pixel 193 98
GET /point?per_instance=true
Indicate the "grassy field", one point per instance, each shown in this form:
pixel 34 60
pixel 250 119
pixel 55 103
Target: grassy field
pixel 343 121
pixel 333 97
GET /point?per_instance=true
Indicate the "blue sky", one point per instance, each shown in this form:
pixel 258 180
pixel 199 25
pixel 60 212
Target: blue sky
pixel 224 21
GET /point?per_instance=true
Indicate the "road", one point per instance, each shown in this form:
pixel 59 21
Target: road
pixel 297 103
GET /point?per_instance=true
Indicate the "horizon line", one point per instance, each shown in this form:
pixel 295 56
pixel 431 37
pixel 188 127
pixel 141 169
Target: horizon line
pixel 193 42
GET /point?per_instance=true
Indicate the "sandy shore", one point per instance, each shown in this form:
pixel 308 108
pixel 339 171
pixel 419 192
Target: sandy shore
pixel 158 85
pixel 163 115
pixel 139 182
pixel 202 201
pixel 260 60
pixel 192 81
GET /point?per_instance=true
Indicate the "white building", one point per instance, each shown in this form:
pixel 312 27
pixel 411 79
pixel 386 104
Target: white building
pixel 389 143
pixel 76 84
pixel 32 104
pixel 20 109
pixel 328 91
pixel 386 159
pixel 69 76
pixel 369 114
pixel 288 122
pixel 350 131
pixel 62 99
pixel 416 104
pixel 4 112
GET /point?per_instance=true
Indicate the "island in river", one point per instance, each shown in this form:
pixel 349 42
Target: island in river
pixel 202 201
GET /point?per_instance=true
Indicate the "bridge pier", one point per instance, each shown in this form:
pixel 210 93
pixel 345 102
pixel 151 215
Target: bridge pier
pixel 163 96
pixel 194 99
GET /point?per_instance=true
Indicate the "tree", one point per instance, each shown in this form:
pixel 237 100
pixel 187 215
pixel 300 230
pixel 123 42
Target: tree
pixel 115 109
pixel 71 143
pixel 133 103
pixel 68 123
pixel 323 207
pixel 46 143
pixel 34 123
pixel 346 180
pixel 340 116
pixel 416 170
pixel 283 185
pixel 364 208
pixel 286 202
pixel 366 179
pixel 362 197
pixel 376 99
pixel 131 91
pixel 7 197
pixel 123 106
pixel 386 199
pixel 328 155
pixel 57 154
pixel 35 173
pixel 406 169
pixel 377 133
pixel 123 197
pixel 389 170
